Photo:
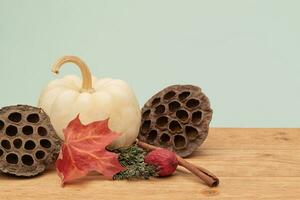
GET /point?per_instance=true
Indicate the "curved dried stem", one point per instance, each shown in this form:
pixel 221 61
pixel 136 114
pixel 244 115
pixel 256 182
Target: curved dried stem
pixel 85 72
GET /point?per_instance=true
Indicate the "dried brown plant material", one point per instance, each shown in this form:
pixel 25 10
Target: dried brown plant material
pixel 28 142
pixel 176 118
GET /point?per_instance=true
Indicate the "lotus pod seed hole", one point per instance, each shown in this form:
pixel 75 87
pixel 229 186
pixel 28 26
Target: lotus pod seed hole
pixel 15 117
pixel 155 101
pixel 179 142
pixel 182 115
pixel 146 126
pixel 12 158
pixel 160 109
pixel 1 152
pixel 27 130
pixel 182 96
pixel 192 103
pixel 29 145
pixel 17 143
pixel 42 131
pixel 173 106
pixel 191 132
pixel 11 130
pixel 162 121
pixel 40 154
pixel 45 143
pixel 5 144
pixel 27 160
pixel 152 136
pixel 169 95
pixel 1 125
pixel 197 117
pixel 165 138
pixel 146 113
pixel 175 127
pixel 33 118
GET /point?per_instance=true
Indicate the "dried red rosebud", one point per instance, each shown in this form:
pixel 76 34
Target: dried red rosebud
pixel 165 160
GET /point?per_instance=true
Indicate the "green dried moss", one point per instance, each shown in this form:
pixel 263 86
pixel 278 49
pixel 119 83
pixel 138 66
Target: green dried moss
pixel 132 158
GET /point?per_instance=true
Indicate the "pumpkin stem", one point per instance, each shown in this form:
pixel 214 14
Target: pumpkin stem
pixel 85 72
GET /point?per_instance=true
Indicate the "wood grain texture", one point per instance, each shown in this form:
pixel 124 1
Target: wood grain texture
pixel 251 164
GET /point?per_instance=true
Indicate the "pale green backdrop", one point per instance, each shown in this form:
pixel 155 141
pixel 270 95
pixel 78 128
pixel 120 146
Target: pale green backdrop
pixel 244 54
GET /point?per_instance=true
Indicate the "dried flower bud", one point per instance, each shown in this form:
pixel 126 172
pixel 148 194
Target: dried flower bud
pixel 165 161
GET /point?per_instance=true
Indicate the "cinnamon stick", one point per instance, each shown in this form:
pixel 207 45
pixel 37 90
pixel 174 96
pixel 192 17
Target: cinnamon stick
pixel 209 178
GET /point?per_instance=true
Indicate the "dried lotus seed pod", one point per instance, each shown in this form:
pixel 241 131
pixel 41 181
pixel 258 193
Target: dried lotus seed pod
pixel 28 142
pixel 176 118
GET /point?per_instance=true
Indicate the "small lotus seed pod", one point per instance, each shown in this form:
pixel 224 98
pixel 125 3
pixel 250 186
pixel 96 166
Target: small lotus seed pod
pixel 28 142
pixel 176 118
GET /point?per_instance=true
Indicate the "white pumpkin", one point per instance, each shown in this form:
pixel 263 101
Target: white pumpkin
pixel 94 99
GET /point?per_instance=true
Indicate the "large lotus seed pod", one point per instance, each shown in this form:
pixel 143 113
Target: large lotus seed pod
pixel 176 118
pixel 28 142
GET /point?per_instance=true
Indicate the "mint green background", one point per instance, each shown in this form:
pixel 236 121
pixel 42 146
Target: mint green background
pixel 244 54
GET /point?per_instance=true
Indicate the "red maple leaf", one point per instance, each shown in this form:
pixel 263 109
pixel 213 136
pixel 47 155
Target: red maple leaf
pixel 84 151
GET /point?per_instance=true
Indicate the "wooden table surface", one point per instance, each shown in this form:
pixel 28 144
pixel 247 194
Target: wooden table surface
pixel 251 164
